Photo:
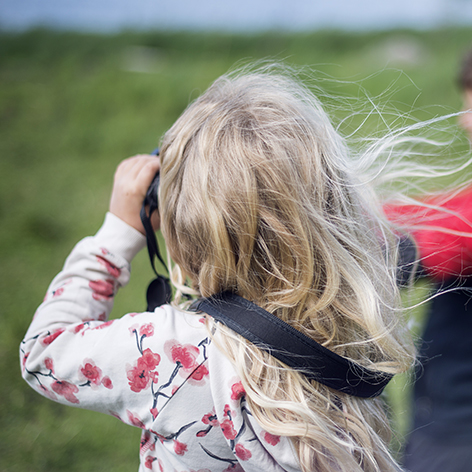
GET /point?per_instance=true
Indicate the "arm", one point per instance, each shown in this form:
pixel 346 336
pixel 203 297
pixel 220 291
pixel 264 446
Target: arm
pixel 70 330
pixel 71 353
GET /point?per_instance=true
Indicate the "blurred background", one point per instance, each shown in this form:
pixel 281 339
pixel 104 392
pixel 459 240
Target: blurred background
pixel 85 84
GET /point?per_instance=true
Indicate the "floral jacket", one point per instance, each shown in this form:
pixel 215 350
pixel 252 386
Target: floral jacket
pixel 158 371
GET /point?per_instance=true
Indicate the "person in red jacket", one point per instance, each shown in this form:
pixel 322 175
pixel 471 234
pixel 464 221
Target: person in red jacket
pixel 442 229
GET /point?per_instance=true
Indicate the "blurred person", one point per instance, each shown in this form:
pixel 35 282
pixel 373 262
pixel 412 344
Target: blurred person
pixel 441 435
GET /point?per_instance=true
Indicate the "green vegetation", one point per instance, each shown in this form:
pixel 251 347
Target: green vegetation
pixel 72 106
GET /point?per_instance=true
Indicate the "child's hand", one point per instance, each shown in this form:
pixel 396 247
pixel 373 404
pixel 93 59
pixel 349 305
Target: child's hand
pixel 132 179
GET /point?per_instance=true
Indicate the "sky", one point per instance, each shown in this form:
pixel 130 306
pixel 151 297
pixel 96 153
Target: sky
pixel 240 15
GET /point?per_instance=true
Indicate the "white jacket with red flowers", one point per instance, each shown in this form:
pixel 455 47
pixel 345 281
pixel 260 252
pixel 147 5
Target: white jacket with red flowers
pixel 158 371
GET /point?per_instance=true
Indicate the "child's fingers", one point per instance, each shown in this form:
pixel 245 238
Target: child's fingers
pixel 146 171
pixel 135 174
pixel 132 179
pixel 130 168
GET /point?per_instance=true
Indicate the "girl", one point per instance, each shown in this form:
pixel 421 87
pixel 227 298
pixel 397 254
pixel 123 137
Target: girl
pixel 259 197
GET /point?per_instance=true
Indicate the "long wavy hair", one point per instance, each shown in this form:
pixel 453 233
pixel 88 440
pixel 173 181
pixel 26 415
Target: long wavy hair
pixel 258 196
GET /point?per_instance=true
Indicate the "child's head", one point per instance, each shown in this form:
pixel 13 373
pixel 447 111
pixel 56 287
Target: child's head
pixel 257 196
pixel 247 170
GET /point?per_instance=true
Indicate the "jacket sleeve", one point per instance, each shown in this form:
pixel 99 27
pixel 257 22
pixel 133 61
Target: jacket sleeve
pixel 442 231
pixel 71 352
pixel 129 367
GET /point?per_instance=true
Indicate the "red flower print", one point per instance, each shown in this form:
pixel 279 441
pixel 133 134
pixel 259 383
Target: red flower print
pixel 146 330
pixel 66 389
pixel 112 269
pixel 148 462
pixel 242 453
pixel 48 362
pixel 91 372
pixel 51 337
pixel 58 292
pixel 272 439
pixel 141 375
pixel 138 377
pixel 180 448
pixel 150 359
pixel 78 328
pixel 134 420
pixel 104 325
pixel 107 383
pixel 199 373
pixel 102 289
pixel 174 389
pixel 237 391
pixel 102 316
pixel 23 361
pixel 186 354
pixel 228 429
pixel 159 436
pixel 154 413
pixel 48 393
pixel 228 412
pixel 210 418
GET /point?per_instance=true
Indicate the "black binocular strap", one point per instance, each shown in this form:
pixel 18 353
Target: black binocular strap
pixel 152 245
pixel 292 347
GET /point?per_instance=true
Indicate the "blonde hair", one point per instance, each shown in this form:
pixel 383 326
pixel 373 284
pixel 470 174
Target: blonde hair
pixel 258 197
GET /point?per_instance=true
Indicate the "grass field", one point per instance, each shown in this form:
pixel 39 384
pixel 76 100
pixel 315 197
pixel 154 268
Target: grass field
pixel 72 106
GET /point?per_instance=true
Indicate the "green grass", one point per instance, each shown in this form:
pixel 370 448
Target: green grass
pixel 71 109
